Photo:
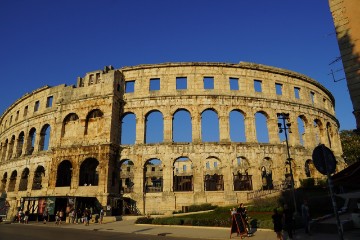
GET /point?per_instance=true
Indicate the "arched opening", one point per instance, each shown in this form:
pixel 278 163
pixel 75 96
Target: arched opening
pixel 63 177
pixel 182 128
pixel 3 183
pixel 5 146
pixel 20 144
pixel 31 141
pixel 11 147
pixel 38 175
pixel 44 138
pixel 210 126
pixel 153 176
pixel 24 180
pixel 266 174
pixel 70 125
pixel 213 178
pixel 301 129
pixel 317 131
pixel 12 181
pixel 154 127
pixel 262 132
pixel 237 126
pixel 182 175
pixel 242 179
pixel 93 125
pixel 309 168
pixel 89 172
pixel 127 176
pixel 128 129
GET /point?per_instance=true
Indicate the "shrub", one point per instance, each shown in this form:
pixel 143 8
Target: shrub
pixel 201 207
pixel 307 182
pixel 168 221
pixel 144 220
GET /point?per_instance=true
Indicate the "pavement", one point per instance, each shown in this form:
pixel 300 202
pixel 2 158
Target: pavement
pixel 128 226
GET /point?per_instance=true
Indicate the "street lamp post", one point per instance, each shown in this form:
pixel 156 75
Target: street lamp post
pixel 285 126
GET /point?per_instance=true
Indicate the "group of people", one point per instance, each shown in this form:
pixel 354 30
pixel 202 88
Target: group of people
pixel 283 219
pixel 22 216
pixel 240 221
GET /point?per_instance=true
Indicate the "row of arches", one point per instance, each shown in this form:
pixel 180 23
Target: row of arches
pixel 238 122
pixel 23 144
pixel 88 176
pixel 213 178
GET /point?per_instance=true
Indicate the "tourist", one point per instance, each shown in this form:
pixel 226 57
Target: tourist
pixel 45 215
pixel 305 213
pixel 101 216
pixel 277 221
pixel 26 217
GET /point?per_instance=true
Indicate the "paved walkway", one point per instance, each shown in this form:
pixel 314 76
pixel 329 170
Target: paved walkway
pixel 128 226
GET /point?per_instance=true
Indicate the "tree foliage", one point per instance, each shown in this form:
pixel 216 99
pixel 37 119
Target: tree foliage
pixel 350 142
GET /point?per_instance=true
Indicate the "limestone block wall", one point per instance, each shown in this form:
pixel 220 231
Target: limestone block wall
pixel 65 141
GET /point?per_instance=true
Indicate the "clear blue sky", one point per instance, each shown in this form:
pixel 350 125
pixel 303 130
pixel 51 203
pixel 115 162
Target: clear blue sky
pixel 46 42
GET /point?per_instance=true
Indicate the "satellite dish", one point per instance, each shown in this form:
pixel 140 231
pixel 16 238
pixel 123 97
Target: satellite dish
pixel 324 160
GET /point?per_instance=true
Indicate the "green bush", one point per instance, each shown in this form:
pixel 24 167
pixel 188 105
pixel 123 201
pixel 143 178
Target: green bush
pixel 168 221
pixel 307 182
pixel 144 220
pixel 201 207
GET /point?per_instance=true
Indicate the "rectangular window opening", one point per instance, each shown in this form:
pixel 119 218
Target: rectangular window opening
pixel 257 86
pixel 312 97
pixel 49 101
pixel 26 110
pixel 36 106
pixel 181 83
pixel 129 86
pixel 154 84
pixel 234 83
pixel 278 87
pixel 297 92
pixel 208 82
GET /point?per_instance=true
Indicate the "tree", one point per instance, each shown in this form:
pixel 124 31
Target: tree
pixel 350 142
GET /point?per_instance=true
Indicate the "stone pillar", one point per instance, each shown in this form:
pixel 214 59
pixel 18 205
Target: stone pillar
pixel 30 180
pixel 294 138
pixel 250 129
pixel 273 130
pixel 196 128
pixel 140 129
pixel 167 176
pixel 168 128
pixel 224 128
pixel 228 178
pixel 198 175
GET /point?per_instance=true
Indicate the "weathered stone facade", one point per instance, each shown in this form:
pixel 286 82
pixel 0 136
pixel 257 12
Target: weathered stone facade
pixel 82 155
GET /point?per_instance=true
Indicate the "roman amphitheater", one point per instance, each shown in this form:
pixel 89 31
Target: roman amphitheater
pixel 157 138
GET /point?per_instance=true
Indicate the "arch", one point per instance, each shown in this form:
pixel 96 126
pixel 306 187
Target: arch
pixel 12 181
pixel 24 180
pixel 44 138
pixel 89 172
pixel 31 141
pixel 38 175
pixel 182 175
pixel 3 182
pixel 266 174
pixel 154 127
pixel 128 129
pixel 210 126
pixel 309 168
pixel 241 179
pixel 11 147
pixel 213 179
pixel 63 175
pixel 262 132
pixel 127 176
pixel 5 146
pixel 93 125
pixel 301 121
pixel 237 126
pixel 318 131
pixel 20 144
pixel 329 133
pixel 153 175
pixel 182 128
pixel 69 126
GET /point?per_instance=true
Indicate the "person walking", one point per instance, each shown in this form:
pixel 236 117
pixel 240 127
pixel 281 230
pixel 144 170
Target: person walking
pixel 101 216
pixel 61 216
pixel 26 217
pixel 45 215
pixel 288 221
pixel 305 213
pixel 277 220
